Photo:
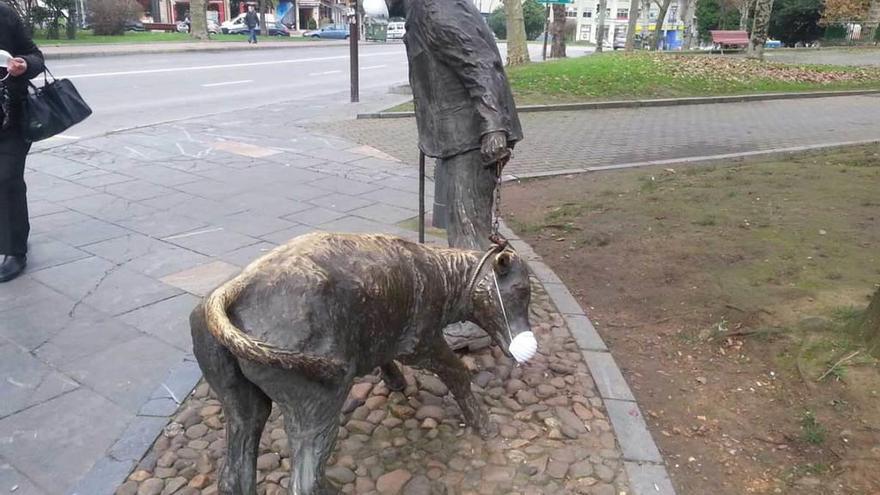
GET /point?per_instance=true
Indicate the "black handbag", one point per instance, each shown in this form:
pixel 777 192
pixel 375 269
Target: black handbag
pixel 52 109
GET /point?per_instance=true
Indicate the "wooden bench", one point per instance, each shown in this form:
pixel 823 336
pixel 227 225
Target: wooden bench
pixel 730 39
pixel 157 26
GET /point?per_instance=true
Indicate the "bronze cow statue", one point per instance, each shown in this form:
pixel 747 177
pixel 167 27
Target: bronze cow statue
pixel 299 324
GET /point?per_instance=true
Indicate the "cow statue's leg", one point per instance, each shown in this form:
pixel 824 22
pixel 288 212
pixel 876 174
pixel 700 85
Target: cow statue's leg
pixel 393 377
pixel 245 407
pixel 452 372
pixel 311 419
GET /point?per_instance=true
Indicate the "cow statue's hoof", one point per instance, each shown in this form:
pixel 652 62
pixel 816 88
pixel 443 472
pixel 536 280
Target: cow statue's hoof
pixel 393 378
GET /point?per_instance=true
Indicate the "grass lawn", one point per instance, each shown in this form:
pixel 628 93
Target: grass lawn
pixel 726 292
pixel 620 76
pixel 87 38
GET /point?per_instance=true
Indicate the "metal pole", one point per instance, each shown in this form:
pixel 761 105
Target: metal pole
pixel 422 197
pixel 546 29
pixel 353 38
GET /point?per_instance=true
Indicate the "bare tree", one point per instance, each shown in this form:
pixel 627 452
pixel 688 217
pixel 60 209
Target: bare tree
pixel 631 25
pixel 72 20
pixel 688 12
pixel 663 5
pixel 763 8
pixel 263 27
pixel 517 50
pixel 745 8
pixel 600 25
pixel 558 31
pixel 198 19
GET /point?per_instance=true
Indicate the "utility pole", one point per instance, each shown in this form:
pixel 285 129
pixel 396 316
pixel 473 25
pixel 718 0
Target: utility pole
pixel 353 38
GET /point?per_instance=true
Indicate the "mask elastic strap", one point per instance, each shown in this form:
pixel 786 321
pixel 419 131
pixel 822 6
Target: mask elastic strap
pixel 500 300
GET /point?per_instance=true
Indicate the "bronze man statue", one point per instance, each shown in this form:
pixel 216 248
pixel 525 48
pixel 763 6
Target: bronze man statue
pixel 464 107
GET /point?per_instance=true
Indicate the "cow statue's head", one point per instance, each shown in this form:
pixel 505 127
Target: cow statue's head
pixel 500 293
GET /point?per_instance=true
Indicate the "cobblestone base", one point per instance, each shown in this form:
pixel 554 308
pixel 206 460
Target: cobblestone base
pixel 554 437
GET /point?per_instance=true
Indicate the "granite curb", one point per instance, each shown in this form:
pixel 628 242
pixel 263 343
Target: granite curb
pixel 137 438
pixel 698 160
pixel 661 102
pixel 642 459
pixel 71 52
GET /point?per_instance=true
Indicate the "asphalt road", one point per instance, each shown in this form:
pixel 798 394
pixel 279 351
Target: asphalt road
pixel 135 90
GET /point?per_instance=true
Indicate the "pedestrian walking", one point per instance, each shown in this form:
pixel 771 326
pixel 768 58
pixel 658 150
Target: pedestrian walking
pixel 251 21
pixel 20 60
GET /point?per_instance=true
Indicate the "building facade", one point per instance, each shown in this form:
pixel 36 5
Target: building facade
pixel 585 13
pixel 299 14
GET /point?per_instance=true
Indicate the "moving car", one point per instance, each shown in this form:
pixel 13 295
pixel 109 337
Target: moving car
pixel 396 28
pixel 333 32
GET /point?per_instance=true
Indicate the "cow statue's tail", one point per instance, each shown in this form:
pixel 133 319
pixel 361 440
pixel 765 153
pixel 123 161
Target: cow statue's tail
pixel 244 346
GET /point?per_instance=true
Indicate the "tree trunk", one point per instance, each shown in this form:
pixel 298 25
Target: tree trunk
pixel 873 22
pixel 870 326
pixel 745 7
pixel 600 25
pixel 763 8
pixel 198 19
pixel 631 25
pixel 558 32
pixel 72 20
pixel 658 26
pixel 687 17
pixel 517 50
pixel 264 29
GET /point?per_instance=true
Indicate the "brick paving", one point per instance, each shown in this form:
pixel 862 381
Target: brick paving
pixel 557 141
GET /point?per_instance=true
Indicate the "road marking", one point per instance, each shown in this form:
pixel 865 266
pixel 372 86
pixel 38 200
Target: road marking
pixel 374 67
pixel 221 66
pixel 230 83
pixel 62 136
pixel 325 73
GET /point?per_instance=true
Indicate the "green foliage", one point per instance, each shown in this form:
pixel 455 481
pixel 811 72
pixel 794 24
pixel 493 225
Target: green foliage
pixel 533 15
pixel 794 21
pixel 710 15
pixel 813 431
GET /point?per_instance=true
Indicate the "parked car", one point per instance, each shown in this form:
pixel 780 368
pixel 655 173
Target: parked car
pixel 236 25
pixel 396 28
pixel 136 26
pixel 334 31
pixel 619 42
pixel 276 29
pixel 184 26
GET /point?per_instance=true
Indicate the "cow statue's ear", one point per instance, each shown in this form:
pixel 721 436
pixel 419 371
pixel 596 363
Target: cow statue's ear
pixel 503 262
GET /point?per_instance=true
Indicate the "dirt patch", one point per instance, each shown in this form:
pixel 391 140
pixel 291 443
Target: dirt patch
pixel 725 292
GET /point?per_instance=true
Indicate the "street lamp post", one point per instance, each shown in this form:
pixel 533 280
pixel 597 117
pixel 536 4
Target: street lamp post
pixel 353 37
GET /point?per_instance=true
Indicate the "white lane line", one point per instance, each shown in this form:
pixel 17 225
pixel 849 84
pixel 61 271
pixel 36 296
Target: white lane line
pixel 374 67
pixel 62 136
pixel 230 83
pixel 221 66
pixel 325 73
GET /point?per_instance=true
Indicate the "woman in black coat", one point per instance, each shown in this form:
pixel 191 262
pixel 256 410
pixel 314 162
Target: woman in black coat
pixel 26 63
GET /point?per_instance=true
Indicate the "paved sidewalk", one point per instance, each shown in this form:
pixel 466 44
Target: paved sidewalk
pixel 560 141
pixel 64 51
pixel 128 231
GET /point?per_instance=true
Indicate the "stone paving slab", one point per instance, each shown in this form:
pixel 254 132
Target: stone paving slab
pixel 560 141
